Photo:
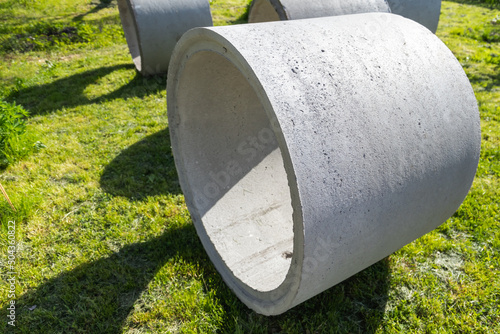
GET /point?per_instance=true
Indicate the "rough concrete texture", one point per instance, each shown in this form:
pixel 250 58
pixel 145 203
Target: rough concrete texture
pixel 425 12
pixel 276 10
pixel 308 150
pixel 153 27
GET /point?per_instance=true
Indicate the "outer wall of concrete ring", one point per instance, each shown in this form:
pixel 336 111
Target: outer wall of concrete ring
pixel 308 150
pixel 425 12
pixel 153 27
pixel 275 10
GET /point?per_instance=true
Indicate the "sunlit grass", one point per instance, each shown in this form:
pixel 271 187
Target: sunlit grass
pixel 106 244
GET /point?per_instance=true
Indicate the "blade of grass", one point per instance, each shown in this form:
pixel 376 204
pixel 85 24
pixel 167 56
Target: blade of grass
pixel 7 197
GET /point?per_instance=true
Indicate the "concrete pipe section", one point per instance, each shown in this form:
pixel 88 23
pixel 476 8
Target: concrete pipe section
pixel 279 10
pixel 425 12
pixel 308 150
pixel 153 27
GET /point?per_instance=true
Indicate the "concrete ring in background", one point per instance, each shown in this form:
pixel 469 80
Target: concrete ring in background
pixel 153 27
pixel 279 10
pixel 308 150
pixel 425 12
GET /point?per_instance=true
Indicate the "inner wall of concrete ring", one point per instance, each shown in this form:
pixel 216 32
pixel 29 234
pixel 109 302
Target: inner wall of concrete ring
pixel 153 27
pixel 425 12
pixel 308 150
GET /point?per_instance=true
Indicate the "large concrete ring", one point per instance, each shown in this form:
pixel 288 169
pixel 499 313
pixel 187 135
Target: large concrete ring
pixel 308 150
pixel 153 27
pixel 279 10
pixel 425 12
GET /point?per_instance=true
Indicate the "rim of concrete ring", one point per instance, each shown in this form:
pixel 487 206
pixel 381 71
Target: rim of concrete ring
pixel 131 30
pixel 268 302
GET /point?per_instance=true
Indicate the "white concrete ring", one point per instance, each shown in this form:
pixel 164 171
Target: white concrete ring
pixel 279 10
pixel 153 27
pixel 308 150
pixel 425 12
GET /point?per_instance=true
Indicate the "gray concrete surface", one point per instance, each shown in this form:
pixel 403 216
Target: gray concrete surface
pixel 153 27
pixel 275 10
pixel 308 150
pixel 425 12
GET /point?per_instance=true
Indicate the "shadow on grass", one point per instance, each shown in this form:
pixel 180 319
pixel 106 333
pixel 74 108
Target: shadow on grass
pixel 68 92
pixel 98 297
pixel 99 6
pixel 488 81
pixel 356 305
pixel 243 18
pixel 144 169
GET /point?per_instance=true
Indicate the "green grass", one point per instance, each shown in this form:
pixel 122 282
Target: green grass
pixel 14 141
pixel 106 244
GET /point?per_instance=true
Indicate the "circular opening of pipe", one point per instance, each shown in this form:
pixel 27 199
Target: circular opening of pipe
pixel 232 171
pixel 130 29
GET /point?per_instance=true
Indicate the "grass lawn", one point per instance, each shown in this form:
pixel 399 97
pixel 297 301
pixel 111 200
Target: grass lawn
pixel 106 244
